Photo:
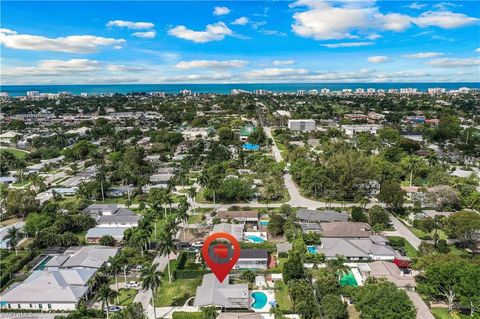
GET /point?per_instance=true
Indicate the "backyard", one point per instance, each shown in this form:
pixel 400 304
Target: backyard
pixel 282 297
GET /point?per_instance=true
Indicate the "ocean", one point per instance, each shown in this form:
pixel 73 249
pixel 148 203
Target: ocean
pixel 19 90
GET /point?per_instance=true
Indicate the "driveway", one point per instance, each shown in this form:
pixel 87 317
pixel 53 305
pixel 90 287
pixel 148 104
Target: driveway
pixel 423 311
pixel 404 232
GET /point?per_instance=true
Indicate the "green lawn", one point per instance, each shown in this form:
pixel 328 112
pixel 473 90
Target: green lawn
pixel 16 152
pixel 442 313
pixel 125 297
pixel 195 219
pixel 178 291
pixel 282 297
pixel 409 249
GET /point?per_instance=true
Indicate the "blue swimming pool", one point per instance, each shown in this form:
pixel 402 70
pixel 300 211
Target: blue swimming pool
pixel 312 249
pixel 255 239
pixel 260 300
pixel 264 222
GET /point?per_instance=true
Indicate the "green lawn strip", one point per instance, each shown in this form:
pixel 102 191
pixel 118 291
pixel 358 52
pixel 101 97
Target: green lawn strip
pixel 16 152
pixel 178 291
pixel 195 219
pixel 125 297
pixel 282 297
pixel 409 249
pixel 442 313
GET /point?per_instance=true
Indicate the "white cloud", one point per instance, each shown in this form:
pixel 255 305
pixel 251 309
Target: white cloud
pixel 272 32
pixel 130 24
pixel 422 55
pixel 54 67
pixel 220 11
pixel 477 50
pixel 325 20
pixel 416 5
pixel 211 64
pixel 213 32
pixel 373 36
pixel 146 35
pixel 445 5
pixel 444 19
pixel 69 44
pixel 347 44
pixel 275 72
pixel 453 63
pixel 283 62
pixel 240 21
pixel 124 68
pixel 377 59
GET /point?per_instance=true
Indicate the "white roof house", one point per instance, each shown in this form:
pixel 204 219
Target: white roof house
pixel 82 257
pixel 236 230
pixel 48 290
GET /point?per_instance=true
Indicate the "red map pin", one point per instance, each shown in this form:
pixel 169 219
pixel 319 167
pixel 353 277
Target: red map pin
pixel 220 251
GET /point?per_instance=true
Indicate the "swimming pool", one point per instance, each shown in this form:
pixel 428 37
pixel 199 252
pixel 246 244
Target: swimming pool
pixel 41 265
pixel 312 249
pixel 263 222
pixel 260 300
pixel 255 239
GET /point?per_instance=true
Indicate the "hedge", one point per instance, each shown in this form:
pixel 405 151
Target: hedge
pixel 189 274
pixel 188 315
pixel 396 241
pixel 271 247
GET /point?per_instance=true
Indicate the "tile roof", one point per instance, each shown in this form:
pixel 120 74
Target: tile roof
pixel 321 216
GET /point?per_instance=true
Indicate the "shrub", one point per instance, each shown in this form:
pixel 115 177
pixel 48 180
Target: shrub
pixel 188 315
pixel 396 241
pixel 283 254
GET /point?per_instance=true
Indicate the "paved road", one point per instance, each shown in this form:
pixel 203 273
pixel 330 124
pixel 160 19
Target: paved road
pixel 405 232
pixel 423 311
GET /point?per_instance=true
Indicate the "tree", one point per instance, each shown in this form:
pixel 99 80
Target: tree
pixel 166 245
pixel 107 240
pixel 378 215
pixel 444 197
pixel 276 224
pixel 13 237
pixel 209 312
pixel 182 215
pixel 226 135
pixel 469 290
pixel 413 162
pixel 463 225
pixel 21 202
pixel 249 276
pixel 151 279
pixel 104 294
pixel 358 215
pixel 337 266
pixel 333 307
pixel 114 268
pixel 392 194
pixel 293 268
pixel 132 311
pixel 326 283
pixel 383 300
pixel 192 193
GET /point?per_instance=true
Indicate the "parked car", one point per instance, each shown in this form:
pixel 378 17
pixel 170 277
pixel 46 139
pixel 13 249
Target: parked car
pixel 183 245
pixel 113 308
pixel 198 244
pixel 138 268
pixel 132 285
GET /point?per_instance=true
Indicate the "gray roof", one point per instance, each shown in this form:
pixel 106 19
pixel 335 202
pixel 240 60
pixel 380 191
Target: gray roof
pixel 236 230
pixel 313 227
pixel 118 219
pixel 283 247
pixel 354 248
pixel 253 254
pixel 98 208
pixel 160 178
pixel 59 286
pixel 321 216
pixel 213 292
pixel 88 256
pixel 115 232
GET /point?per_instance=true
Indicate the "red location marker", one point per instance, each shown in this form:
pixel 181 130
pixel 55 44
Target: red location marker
pixel 220 270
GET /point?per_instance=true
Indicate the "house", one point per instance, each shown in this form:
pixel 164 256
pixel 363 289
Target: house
pixel 351 130
pixel 222 294
pixel 160 179
pixel 371 248
pixel 94 234
pixel 242 216
pixel 236 230
pixel 92 257
pixel 121 218
pixel 8 179
pixel 284 247
pixel 345 230
pixel 119 191
pixel 391 272
pixel 252 259
pixel 8 136
pixel 246 131
pixel 48 290
pixel 4 231
pixel 316 216
pixel 102 209
pixel 301 125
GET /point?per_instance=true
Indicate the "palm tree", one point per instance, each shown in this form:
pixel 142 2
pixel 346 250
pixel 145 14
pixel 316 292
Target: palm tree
pixel 151 279
pixel 105 293
pixel 412 164
pixel 192 193
pixel 14 235
pixel 114 268
pixel 183 216
pixel 166 245
pixel 38 181
pixel 338 266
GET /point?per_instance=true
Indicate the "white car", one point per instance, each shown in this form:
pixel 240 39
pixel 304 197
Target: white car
pixel 132 285
pixel 198 244
pixel 113 308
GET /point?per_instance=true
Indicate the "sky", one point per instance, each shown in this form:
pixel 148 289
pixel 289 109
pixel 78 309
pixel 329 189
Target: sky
pixel 66 42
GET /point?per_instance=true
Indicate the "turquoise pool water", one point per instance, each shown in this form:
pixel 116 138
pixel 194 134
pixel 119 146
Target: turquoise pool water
pixel 260 300
pixel 312 249
pixel 255 239
pixel 41 265
pixel 264 222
